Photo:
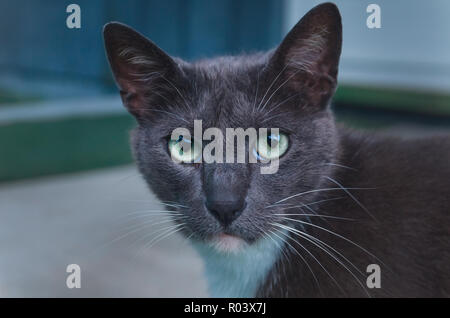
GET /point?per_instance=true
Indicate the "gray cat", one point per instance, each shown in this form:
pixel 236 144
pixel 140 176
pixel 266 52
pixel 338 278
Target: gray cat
pixel 346 214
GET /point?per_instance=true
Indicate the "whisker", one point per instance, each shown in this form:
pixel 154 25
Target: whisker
pixel 323 217
pixel 341 166
pixel 337 235
pixel 152 221
pixel 319 190
pixel 152 211
pixel 155 241
pixel 270 86
pixel 330 247
pixel 286 257
pixel 174 204
pixel 324 200
pixel 166 233
pixel 276 205
pixel 328 253
pixel 148 212
pixel 179 93
pixel 319 215
pixel 298 253
pixel 256 94
pixel 334 250
pixel 310 209
pixel 279 87
pixel 189 236
pixel 162 232
pixel 352 196
pixel 283 259
pixel 264 232
pixel 150 217
pixel 159 230
pixel 317 261
pixel 140 227
pixel 166 203
pixel 279 104
pixel 281 114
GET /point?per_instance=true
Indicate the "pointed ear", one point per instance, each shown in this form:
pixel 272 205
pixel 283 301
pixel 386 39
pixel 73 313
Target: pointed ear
pixel 308 57
pixel 143 72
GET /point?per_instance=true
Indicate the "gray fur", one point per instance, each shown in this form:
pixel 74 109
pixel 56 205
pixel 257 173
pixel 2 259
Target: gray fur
pixel 402 216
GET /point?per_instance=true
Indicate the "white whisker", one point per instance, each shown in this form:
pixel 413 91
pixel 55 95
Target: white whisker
pixel 330 247
pixel 278 105
pixel 352 196
pixel 327 252
pixel 319 215
pixel 298 253
pixel 155 241
pixel 317 261
pixel 148 213
pixel 337 235
pixel 279 87
pixel 270 86
pixel 341 166
pixel 153 223
pixel 165 232
pixel 318 190
pixel 256 94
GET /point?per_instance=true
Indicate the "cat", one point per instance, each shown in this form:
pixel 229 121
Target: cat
pixel 343 206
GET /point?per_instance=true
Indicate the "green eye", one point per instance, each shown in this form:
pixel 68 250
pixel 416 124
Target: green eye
pixel 184 150
pixel 272 147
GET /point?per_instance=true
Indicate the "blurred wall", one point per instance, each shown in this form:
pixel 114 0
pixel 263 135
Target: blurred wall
pixel 410 50
pixel 36 43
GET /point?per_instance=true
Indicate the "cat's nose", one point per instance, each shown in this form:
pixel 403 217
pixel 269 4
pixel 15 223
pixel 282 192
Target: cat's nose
pixel 225 211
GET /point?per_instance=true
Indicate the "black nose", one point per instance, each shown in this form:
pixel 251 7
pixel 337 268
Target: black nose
pixel 225 211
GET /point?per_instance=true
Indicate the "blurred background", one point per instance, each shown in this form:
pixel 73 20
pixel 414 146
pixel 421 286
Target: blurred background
pixel 67 183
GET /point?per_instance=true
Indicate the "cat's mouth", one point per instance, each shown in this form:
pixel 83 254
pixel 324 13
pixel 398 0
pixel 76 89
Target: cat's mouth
pixel 228 243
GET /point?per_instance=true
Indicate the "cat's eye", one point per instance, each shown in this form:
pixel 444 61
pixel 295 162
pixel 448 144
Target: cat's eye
pixel 272 147
pixel 184 150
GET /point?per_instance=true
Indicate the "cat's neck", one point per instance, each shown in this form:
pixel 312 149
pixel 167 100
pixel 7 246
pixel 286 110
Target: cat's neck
pixel 240 273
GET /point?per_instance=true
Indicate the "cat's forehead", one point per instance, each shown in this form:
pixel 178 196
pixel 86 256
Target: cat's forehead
pixel 223 65
pixel 225 108
pixel 235 73
pixel 224 89
pixel 229 92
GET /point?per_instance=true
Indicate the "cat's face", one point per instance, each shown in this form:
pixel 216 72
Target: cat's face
pixel 230 204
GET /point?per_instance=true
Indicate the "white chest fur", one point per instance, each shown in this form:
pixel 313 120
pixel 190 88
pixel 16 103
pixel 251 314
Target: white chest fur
pixel 240 273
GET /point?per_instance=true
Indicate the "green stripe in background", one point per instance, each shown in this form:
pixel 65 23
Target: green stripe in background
pixel 420 102
pixel 35 149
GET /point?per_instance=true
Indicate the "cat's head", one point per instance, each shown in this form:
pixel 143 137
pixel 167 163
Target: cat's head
pixel 289 88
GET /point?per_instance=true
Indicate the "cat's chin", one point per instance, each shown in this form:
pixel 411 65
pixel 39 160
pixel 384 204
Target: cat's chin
pixel 226 243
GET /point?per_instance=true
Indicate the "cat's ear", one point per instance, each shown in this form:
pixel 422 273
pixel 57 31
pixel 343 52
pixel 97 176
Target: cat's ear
pixel 308 57
pixel 141 69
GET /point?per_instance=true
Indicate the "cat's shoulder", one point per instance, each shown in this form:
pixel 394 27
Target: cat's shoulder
pixel 394 142
pixel 396 155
